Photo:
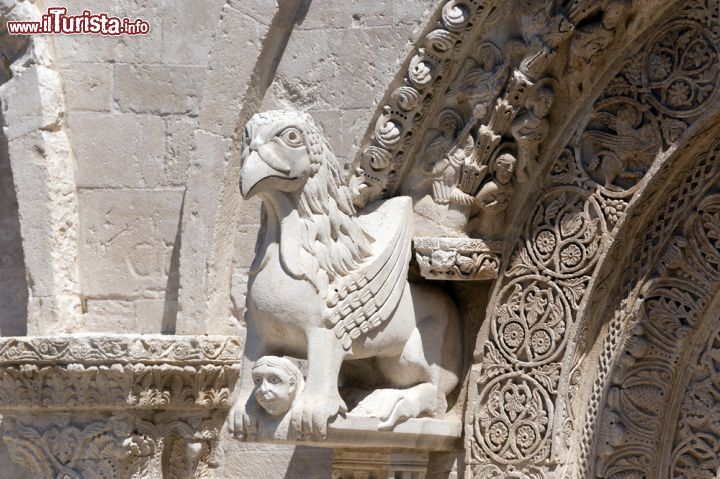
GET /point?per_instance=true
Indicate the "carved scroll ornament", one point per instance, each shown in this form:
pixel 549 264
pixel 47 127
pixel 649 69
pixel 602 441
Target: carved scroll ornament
pixel 595 179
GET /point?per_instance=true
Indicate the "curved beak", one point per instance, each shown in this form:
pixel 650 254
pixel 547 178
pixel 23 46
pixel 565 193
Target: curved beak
pixel 255 169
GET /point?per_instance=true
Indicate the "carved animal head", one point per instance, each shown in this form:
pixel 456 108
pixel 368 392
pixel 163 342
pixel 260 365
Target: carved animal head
pixel 285 153
pixel 281 150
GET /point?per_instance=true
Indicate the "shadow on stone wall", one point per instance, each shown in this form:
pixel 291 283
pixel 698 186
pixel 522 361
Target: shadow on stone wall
pixel 13 283
pixel 307 461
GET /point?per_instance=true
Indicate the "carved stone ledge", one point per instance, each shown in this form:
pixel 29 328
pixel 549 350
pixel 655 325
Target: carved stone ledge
pixel 360 450
pixel 457 259
pixel 116 406
pixel 121 349
pixel 351 432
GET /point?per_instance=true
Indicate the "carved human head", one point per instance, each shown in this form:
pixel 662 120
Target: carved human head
pixel 450 122
pixel 629 116
pixel 489 56
pixel 504 167
pixel 280 150
pixel 277 383
pixel 614 14
pixel 541 100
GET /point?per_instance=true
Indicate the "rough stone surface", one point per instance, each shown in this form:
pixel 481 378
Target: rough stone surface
pixel 88 86
pixel 128 236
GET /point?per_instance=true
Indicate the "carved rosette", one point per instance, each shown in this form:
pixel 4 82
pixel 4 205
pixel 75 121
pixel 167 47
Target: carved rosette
pixel 457 259
pixel 511 425
pixel 116 406
pixel 593 182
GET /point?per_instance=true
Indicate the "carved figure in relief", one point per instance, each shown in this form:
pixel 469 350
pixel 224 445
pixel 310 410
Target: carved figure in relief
pixel 495 195
pixel 530 129
pixel 331 286
pixel 619 147
pixel 591 41
pixel 443 159
pixel 481 80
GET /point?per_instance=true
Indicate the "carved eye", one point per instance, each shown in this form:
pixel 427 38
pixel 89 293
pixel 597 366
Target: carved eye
pixel 274 379
pixel 291 137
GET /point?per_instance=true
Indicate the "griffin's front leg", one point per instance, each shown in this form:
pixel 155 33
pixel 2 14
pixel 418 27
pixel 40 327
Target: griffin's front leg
pixel 243 419
pixel 320 399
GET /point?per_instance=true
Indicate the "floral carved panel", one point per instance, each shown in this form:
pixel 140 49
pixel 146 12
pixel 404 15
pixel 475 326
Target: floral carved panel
pixel 655 104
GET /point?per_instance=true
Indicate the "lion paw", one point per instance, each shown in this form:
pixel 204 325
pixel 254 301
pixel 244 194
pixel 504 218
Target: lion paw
pixel 311 412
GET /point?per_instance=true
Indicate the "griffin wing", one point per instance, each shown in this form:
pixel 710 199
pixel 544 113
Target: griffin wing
pixel 366 299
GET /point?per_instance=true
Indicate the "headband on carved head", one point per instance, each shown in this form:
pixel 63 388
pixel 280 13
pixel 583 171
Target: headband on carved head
pixel 285 365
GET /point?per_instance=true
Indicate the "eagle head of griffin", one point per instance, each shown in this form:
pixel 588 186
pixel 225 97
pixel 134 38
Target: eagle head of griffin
pixel 281 150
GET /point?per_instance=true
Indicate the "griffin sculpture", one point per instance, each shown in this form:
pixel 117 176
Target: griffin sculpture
pixel 330 285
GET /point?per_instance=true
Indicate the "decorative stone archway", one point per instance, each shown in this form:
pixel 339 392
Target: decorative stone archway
pixel 604 257
pixel 626 127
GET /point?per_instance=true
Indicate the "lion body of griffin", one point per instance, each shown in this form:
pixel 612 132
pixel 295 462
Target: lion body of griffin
pixel 331 286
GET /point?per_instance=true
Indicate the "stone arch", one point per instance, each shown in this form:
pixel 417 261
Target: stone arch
pixel 631 368
pixel 528 368
pixel 614 359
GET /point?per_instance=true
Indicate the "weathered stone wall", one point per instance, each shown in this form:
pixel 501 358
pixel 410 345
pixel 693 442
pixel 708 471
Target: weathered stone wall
pixel 140 115
pixel 120 213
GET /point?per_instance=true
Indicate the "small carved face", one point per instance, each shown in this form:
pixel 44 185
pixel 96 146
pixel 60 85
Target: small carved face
pixel 504 168
pixel 448 126
pixel 275 390
pixel 542 102
pixel 629 117
pixel 614 15
pixel 274 153
pixel 443 259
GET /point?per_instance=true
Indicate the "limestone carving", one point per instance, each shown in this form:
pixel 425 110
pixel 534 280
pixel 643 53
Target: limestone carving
pixel 591 41
pixel 696 436
pixel 481 80
pixel 444 158
pixel 595 178
pixel 277 383
pixel 119 447
pixel 139 372
pixel 96 449
pixel 530 129
pixel 405 111
pixel 486 139
pixel 680 201
pixel 116 407
pixel 456 258
pixel 351 270
pixel 665 323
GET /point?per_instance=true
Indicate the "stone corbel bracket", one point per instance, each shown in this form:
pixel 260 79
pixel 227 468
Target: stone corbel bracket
pixel 457 259
pixel 116 406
